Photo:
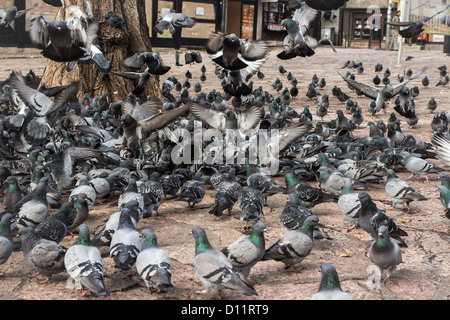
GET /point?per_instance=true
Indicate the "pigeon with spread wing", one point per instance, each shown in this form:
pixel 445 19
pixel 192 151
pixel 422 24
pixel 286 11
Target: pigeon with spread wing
pixel 172 20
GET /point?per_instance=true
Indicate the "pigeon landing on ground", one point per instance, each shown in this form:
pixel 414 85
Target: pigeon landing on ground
pixel 295 245
pixel 385 253
pixel 6 238
pixel 215 270
pixel 153 264
pixel 246 251
pixel 84 264
pixel 330 286
pixel 400 192
pixel 371 218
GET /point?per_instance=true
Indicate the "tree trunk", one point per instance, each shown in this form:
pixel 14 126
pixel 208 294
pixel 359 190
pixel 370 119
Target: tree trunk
pixel 116 45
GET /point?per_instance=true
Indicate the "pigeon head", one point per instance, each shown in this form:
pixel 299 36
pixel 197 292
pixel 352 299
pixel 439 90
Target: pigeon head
pixel 288 24
pixel 383 234
pixel 388 92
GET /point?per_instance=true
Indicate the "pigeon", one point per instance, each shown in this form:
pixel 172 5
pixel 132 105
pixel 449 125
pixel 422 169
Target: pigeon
pixel 385 253
pixel 126 242
pixel 33 209
pixel 349 203
pixel 55 227
pixel 332 181
pixel 444 193
pixel 153 264
pixel 80 214
pixel 43 256
pixel 8 17
pixel 215 270
pixel 432 104
pixel 104 236
pixel 59 40
pixel 330 286
pixel 409 58
pixel 84 264
pixel 6 238
pixel 152 192
pixel 192 191
pixel 414 28
pixel 233 53
pixel 248 250
pixel 142 79
pixel 443 81
pixel 13 194
pixel 425 81
pixel 400 192
pixel 171 184
pixel 83 186
pixel 325 5
pixel 227 194
pixel 383 95
pixel 171 21
pixel 152 60
pixel 251 202
pixel 419 167
pixel 130 193
pixel 376 80
pixel 442 147
pixel 297 43
pixel 295 245
pixel 114 20
pixel 371 218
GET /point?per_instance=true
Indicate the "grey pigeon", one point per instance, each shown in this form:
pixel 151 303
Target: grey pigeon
pixel 104 236
pixel 371 218
pixel 33 209
pixel 193 191
pixel 141 79
pixel 414 28
pixel 227 194
pixel 330 285
pixel 130 193
pixel 444 193
pixel 80 214
pixel 349 203
pixel 215 270
pixel 251 203
pixel 153 192
pixel 153 61
pixel 332 181
pixel 419 167
pixel 83 186
pixel 380 95
pixel 84 264
pixel 6 238
pixel 114 20
pixel 233 53
pixel 298 42
pixel 171 21
pixel 400 192
pixel 43 256
pixel 8 17
pixel 126 242
pixel 153 264
pixel 385 253
pixel 55 227
pixel 295 245
pixel 246 251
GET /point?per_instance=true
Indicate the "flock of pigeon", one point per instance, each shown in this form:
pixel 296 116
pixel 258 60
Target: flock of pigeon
pixel 68 154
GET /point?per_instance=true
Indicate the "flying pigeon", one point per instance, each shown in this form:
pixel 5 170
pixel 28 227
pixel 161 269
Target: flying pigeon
pixel 152 60
pixel 297 41
pixel 171 21
pixel 8 17
pixel 414 28
pixel 233 53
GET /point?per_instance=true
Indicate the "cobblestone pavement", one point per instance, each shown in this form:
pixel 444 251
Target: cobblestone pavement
pixel 424 275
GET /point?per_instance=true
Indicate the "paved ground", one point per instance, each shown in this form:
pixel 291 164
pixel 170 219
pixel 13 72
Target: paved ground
pixel 424 275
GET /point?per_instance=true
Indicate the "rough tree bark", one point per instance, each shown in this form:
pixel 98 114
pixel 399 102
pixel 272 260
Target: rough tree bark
pixel 116 45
